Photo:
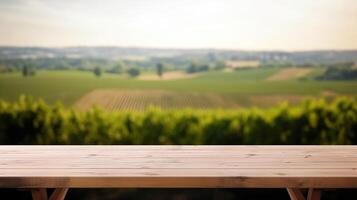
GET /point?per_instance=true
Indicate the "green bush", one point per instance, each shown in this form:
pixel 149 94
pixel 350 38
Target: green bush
pixel 30 121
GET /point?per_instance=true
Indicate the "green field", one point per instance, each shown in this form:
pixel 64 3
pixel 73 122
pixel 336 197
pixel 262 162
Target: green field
pixel 241 86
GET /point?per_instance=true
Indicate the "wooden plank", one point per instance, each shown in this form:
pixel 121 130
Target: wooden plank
pixel 192 166
pixel 177 182
pixel 180 172
pixel 200 152
pixel 167 164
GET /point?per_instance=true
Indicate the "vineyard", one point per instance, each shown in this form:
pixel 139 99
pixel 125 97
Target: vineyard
pixel 139 100
pixel 28 121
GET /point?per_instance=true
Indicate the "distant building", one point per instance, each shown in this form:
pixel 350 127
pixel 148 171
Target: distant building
pixel 242 64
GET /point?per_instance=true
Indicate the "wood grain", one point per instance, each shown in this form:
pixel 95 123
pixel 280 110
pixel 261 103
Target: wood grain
pixel 178 166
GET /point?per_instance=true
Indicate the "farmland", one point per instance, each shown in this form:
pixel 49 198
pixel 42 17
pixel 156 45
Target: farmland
pixel 174 75
pixel 141 99
pixel 289 73
pixel 243 87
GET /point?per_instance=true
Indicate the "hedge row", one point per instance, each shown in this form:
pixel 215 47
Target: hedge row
pixel 30 121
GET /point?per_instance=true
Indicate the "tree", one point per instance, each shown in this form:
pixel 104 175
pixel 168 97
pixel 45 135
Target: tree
pixel 193 68
pixel 220 65
pixel 117 68
pixel 203 68
pixel 160 69
pixel 28 70
pixel 97 71
pixel 25 71
pixel 133 72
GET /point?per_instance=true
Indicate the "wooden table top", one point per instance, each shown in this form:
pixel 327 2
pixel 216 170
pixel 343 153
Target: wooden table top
pixel 178 166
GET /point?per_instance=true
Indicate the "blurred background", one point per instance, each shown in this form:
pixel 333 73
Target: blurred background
pixel 223 72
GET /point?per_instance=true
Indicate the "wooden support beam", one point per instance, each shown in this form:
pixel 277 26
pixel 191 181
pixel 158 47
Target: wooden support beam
pixel 313 194
pixel 39 194
pixel 59 194
pixel 295 194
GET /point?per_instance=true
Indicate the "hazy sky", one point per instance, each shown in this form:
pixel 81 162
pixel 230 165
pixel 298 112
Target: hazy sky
pixel 230 24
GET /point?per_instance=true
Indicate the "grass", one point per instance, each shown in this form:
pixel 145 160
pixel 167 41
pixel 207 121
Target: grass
pixel 69 86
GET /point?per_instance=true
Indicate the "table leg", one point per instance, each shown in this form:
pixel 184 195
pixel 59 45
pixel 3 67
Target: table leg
pixel 313 194
pixel 59 194
pixel 297 194
pixel 41 194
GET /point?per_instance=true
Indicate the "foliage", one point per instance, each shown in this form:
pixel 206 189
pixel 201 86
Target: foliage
pixel 219 65
pixel 30 121
pixel 196 67
pixel 56 63
pixel 339 73
pixel 340 65
pixel 118 68
pixel 28 70
pixel 160 69
pixel 133 72
pixel 97 71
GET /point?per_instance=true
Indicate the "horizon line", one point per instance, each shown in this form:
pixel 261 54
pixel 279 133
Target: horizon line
pixel 176 48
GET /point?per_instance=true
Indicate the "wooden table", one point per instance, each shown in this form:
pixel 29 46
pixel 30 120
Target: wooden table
pixel 293 167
